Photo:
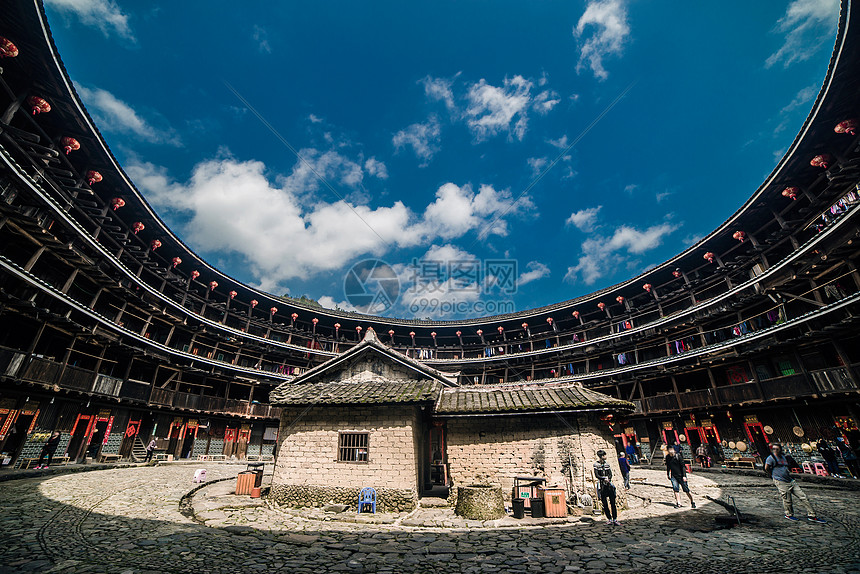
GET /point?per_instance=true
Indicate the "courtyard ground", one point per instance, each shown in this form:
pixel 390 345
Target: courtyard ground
pixel 142 520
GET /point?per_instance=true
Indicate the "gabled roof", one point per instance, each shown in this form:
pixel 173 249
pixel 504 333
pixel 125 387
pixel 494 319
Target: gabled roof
pixel 525 399
pixel 356 393
pixel 322 384
pixel 372 344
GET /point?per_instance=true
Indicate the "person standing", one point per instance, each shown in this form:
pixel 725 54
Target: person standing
pixel 676 471
pixel 605 488
pixel 848 456
pixel 778 467
pixel 48 450
pixel 702 455
pixel 631 453
pixel 150 449
pixel 829 456
pixel 624 465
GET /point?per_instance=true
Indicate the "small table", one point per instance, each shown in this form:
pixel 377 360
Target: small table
pixel 527 485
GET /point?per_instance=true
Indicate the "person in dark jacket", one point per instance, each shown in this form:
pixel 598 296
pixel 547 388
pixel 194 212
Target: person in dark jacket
pixel 624 465
pixel 676 471
pixel 48 450
pixel 829 456
pixel 605 488
pixel 848 456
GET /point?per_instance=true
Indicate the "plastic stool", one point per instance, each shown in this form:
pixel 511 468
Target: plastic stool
pixel 821 470
pixel 807 468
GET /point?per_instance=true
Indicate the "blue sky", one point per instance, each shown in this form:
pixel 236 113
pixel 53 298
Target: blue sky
pixel 416 130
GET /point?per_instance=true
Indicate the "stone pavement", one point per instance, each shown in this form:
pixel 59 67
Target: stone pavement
pixel 135 520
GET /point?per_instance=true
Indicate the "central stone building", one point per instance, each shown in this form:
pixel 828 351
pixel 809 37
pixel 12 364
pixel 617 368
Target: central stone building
pixel 374 417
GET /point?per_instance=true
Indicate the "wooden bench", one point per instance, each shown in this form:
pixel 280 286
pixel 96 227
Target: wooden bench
pixel 217 457
pixel 28 462
pixel 109 458
pixel 744 462
pixel 60 460
pixel 163 456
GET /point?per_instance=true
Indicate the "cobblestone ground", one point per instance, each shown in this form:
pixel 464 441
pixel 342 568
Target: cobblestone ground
pixel 129 521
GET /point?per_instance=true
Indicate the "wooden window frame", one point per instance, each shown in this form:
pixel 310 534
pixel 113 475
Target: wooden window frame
pixel 354 447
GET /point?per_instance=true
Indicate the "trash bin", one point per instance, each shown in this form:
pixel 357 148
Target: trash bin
pixel 245 482
pixel 257 468
pixel 519 507
pixel 538 508
pixel 555 505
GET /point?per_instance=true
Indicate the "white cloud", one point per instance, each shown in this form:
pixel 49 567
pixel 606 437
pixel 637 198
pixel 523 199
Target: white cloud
pixel 806 24
pixel 601 254
pixel 537 164
pixel 458 210
pixel 422 138
pixel 425 295
pixel 801 99
pixel 607 22
pixel 261 37
pixel 560 143
pixel 536 270
pixel 440 90
pixel 584 219
pixel 376 168
pixel 113 114
pixel 330 303
pixel 281 231
pixel 105 15
pixel 545 101
pixel 494 109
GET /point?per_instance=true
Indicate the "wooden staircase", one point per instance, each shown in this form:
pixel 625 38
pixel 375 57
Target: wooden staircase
pixel 138 450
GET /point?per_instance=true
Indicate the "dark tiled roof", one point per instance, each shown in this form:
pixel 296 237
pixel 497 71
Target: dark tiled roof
pixel 512 399
pixel 355 393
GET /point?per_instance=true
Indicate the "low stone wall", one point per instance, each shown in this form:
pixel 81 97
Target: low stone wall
pixel 299 496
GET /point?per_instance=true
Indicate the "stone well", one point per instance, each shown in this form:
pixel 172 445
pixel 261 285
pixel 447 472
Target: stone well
pixel 480 502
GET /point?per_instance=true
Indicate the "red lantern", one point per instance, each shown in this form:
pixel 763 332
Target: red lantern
pixel 38 105
pixel 791 192
pixel 336 328
pixel 315 320
pixel 412 334
pixel 154 244
pixel 195 274
pixel 739 235
pixel 823 161
pixel 232 294
pixel 601 305
pixel 254 303
pixel 620 300
pixel 676 273
pixel 94 177
pixel 213 285
pixel 847 127
pixel 117 202
pixel 294 316
pixel 358 330
pixel 525 326
pixel 549 320
pixel 391 334
pixel 433 334
pixel 709 256
pixel 273 310
pixel 480 332
pixel 176 262
pixel 7 48
pixel 501 330
pixel 137 227
pixel 458 333
pixel 70 145
pixel 648 287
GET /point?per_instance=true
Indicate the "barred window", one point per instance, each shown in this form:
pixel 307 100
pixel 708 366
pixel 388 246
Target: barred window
pixel 352 446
